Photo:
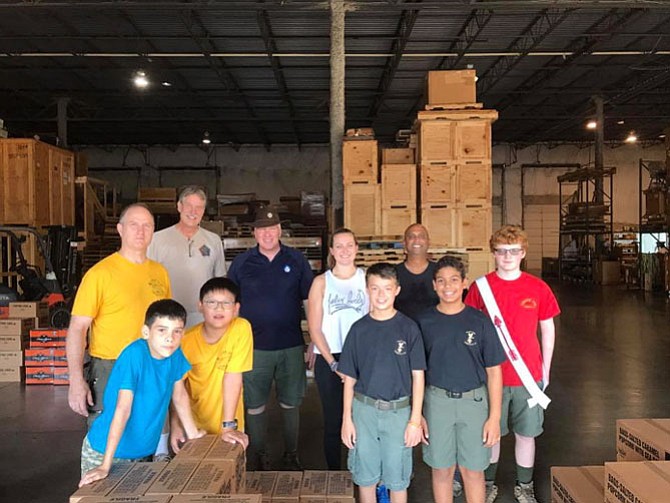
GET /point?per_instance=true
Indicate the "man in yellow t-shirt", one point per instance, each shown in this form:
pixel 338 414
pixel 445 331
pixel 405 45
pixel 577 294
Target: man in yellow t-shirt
pixel 220 349
pixel 112 300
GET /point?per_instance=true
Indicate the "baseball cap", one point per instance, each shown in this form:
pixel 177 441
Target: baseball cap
pixel 265 217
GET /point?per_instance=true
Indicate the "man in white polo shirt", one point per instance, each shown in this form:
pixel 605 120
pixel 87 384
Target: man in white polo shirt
pixel 190 254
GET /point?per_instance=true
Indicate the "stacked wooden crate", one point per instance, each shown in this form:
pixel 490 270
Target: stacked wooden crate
pixel 362 191
pixel 398 190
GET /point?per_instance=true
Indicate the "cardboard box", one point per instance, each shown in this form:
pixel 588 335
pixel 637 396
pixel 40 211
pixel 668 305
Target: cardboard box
pixel 398 156
pixel 4 312
pixel 22 310
pixel 11 359
pixel 340 485
pixel 643 439
pixel 229 498
pixel 12 326
pixel 61 376
pixel 262 483
pixel 103 487
pixel 11 374
pixel 40 375
pixel 287 487
pixel 643 482
pixel 233 454
pixel 125 499
pixel 138 480
pixel 197 448
pixel 451 86
pixel 47 338
pixel 314 484
pixel 174 477
pixel 577 484
pixel 41 357
pixel 13 342
pixel 211 477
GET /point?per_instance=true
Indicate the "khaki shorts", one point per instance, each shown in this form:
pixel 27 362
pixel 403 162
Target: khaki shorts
pixel 523 420
pixel 455 426
pixel 90 458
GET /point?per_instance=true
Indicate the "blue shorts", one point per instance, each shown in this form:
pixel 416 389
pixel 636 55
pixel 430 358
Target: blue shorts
pixel 380 452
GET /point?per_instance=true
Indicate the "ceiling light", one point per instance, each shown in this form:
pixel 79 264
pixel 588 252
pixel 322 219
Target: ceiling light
pixel 591 125
pixel 205 138
pixel 661 136
pixel 165 83
pixel 631 138
pixel 140 80
pixel 620 122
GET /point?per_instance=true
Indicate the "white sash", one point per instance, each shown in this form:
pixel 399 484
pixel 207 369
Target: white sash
pixel 537 395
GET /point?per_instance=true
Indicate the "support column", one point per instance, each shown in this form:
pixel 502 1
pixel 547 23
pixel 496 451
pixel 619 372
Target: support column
pixel 62 121
pixel 337 113
pixel 600 145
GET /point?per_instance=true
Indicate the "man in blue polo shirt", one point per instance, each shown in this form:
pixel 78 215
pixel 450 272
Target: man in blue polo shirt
pixel 274 280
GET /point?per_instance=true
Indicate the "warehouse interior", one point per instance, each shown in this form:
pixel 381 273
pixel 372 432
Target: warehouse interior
pixel 257 101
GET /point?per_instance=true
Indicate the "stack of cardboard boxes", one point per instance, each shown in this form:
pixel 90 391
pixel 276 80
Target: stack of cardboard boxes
pixel 641 473
pixel 209 469
pixel 15 326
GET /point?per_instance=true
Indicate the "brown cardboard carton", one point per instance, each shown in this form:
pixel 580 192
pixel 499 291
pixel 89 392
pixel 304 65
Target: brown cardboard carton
pixel 314 484
pixel 451 86
pixel 126 499
pixel 262 483
pixel 103 487
pixel 47 338
pixel 16 326
pixel 643 439
pixel 232 454
pixel 229 498
pixel 22 310
pixel 11 359
pixel 287 487
pixel 577 484
pixel 340 485
pixel 196 448
pixel 39 375
pixel 174 477
pixel 12 342
pixel 211 477
pixel 11 374
pixel 642 482
pixel 138 479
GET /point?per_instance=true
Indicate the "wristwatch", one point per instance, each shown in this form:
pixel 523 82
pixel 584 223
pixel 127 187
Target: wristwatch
pixel 229 425
pixel 333 366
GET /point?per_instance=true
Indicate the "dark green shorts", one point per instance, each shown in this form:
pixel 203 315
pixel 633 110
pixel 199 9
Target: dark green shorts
pixel 516 414
pixel 455 426
pixel 97 377
pixel 286 367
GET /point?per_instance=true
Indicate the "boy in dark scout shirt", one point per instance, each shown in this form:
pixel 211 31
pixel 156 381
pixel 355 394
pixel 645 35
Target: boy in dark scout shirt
pixel 463 387
pixel 383 361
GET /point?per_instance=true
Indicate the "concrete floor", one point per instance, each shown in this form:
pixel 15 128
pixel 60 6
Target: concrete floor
pixel 611 361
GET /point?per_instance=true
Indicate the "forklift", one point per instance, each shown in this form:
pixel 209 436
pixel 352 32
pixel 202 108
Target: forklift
pixel 54 286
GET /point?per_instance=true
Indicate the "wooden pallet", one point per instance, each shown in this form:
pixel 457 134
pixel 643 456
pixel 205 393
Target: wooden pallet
pixel 454 106
pixel 458 115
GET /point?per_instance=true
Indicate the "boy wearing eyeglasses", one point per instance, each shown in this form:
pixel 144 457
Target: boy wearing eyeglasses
pixel 220 350
pixel 524 302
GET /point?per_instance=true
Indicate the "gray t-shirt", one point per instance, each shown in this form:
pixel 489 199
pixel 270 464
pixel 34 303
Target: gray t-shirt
pixel 190 263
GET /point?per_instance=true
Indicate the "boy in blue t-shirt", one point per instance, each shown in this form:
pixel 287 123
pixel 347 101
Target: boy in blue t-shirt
pixel 148 373
pixel 463 399
pixel 383 362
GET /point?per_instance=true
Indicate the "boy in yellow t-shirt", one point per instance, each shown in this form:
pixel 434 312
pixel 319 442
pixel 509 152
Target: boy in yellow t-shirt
pixel 219 349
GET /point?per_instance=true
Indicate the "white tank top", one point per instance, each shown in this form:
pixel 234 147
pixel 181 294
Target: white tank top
pixel 344 302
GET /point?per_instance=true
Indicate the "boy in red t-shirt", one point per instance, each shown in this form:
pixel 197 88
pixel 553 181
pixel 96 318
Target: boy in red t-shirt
pixel 524 302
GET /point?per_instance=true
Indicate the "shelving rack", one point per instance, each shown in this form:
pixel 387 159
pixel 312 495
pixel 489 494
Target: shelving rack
pixel 585 221
pixel 654 217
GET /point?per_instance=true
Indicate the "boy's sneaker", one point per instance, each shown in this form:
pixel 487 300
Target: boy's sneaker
pixel 383 494
pixel 457 489
pixel 525 493
pixel 291 462
pixel 491 491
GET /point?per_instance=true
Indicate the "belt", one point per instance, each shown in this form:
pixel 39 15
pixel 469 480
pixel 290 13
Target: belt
pixel 383 404
pixel 453 394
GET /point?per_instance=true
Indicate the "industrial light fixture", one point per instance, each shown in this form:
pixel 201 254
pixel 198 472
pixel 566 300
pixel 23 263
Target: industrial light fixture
pixel 140 80
pixel 165 83
pixel 661 136
pixel 205 138
pixel 470 66
pixel 631 138
pixel 620 122
pixel 591 124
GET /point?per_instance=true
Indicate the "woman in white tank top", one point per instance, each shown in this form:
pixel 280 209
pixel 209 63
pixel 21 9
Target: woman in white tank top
pixel 336 300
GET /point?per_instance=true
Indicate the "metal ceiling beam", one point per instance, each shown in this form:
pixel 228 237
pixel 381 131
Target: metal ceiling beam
pixel 401 37
pixel 217 65
pixel 531 37
pixel 263 20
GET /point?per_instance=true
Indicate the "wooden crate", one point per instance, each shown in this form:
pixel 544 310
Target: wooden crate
pixel 398 185
pixel 473 139
pixel 436 184
pixel 36 183
pixel 436 140
pixel 451 86
pixel 474 226
pixel 398 156
pixel 159 200
pixel 397 218
pixel 360 161
pixel 440 220
pixel 479 264
pixel 362 205
pixel 473 182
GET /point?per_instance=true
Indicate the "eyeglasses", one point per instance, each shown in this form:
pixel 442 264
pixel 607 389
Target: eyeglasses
pixel 215 304
pixel 514 252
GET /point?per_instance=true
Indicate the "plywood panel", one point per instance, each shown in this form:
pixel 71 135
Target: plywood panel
pixel 396 220
pixel 436 140
pixel 541 223
pixel 474 226
pixel 362 208
pixel 398 185
pixel 473 182
pixel 359 161
pixel 437 184
pixel 473 139
pixel 440 220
